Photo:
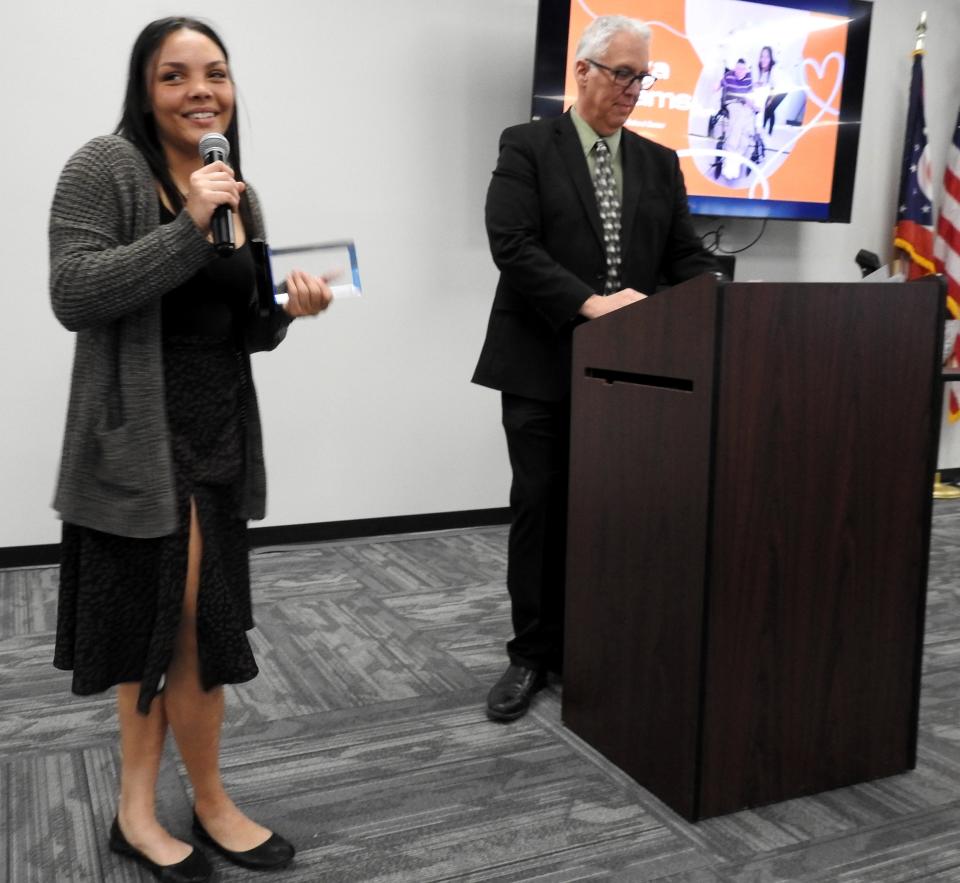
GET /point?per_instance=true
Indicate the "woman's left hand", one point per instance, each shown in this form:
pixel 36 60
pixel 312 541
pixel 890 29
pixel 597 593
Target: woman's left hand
pixel 306 295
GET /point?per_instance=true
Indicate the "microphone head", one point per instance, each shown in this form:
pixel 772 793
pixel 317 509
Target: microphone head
pixel 214 146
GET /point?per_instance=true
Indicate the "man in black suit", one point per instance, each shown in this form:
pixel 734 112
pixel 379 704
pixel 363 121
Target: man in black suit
pixel 548 240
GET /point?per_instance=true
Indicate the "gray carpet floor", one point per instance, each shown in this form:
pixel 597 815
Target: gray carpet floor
pixel 365 742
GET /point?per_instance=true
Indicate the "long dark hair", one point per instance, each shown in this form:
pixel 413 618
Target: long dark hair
pixel 773 61
pixel 137 123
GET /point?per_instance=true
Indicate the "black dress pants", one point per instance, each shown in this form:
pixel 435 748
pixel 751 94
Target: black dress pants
pixel 538 442
pixel 772 103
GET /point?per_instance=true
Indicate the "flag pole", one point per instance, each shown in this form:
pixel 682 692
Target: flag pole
pixel 918 49
pixel 913 231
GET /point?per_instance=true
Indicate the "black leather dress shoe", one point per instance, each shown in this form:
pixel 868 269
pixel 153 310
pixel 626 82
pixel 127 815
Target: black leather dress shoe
pixel 273 853
pixel 193 869
pixel 509 698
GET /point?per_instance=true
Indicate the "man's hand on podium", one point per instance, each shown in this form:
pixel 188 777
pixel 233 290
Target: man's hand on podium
pixel 599 305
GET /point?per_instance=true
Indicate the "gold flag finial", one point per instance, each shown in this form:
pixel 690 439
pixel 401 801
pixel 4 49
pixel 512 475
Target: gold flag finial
pixel 921 32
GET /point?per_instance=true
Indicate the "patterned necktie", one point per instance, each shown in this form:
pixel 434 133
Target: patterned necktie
pixel 608 201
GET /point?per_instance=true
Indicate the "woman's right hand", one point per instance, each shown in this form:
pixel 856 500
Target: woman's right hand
pixel 211 186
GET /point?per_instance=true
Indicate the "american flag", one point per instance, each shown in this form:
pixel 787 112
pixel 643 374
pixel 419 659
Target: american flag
pixel 914 231
pixel 946 252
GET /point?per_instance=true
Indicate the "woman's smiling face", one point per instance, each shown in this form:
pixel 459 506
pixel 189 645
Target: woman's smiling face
pixel 190 90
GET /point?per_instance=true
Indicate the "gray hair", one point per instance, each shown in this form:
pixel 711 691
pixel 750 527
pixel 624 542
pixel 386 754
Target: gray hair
pixel 596 38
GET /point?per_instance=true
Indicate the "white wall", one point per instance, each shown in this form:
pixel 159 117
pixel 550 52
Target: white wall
pixel 394 110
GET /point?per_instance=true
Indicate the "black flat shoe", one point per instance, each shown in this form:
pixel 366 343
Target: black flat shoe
pixel 276 852
pixel 509 698
pixel 193 869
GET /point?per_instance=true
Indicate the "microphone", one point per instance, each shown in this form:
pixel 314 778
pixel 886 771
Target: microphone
pixel 214 146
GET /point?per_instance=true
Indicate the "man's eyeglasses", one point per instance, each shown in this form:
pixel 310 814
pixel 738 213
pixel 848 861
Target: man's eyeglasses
pixel 625 78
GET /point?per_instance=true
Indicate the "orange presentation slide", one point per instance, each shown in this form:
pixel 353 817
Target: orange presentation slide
pixel 748 94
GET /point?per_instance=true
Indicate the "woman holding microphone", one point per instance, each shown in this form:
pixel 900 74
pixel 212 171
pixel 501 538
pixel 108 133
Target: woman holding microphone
pixel 162 463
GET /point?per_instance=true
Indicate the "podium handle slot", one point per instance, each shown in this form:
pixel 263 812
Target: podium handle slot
pixel 608 376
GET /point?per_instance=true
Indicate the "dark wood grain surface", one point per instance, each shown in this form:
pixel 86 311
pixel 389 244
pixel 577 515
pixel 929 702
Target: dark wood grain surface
pixel 755 548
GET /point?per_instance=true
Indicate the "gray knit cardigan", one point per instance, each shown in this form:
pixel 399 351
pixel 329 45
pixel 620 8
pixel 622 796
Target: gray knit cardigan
pixel 110 262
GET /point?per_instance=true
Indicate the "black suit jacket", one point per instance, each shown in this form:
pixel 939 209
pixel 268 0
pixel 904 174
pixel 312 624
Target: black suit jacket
pixel 546 239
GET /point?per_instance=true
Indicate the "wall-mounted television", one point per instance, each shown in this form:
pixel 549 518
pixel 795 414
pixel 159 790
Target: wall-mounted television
pixel 761 99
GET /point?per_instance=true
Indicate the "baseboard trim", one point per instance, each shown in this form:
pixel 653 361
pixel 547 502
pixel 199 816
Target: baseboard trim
pixel 371 527
pixel 29 556
pixel 318 532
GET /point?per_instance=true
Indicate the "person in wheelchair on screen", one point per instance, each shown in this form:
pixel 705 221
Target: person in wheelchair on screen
pixel 735 121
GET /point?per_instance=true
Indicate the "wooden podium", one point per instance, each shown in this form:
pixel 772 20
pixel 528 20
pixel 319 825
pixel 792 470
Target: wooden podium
pixel 750 503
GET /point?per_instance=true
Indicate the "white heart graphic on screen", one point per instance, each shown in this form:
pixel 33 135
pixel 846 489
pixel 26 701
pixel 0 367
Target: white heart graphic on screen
pixel 819 68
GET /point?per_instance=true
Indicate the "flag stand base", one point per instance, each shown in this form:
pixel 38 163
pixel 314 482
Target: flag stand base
pixel 943 491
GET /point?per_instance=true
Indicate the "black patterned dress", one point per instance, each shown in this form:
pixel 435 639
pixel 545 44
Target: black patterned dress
pixel 121 598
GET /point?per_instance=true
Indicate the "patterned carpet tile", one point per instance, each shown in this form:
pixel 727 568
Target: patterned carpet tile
pixel 341 650
pixel 71 725
pixel 442 794
pixel 800 823
pixel 364 739
pixel 37 710
pixel 938 766
pixel 51 838
pixel 643 859
pixel 922 848
pixel 739 837
pixel 454 608
pixel 482 651
pixel 794 825
pixel 27 670
pixel 442 561
pixel 940 698
pixel 29 601
pixel 471 624
pixel 276 576
pixel 67 801
pixel 941 638
pixel 383 567
pixel 368 748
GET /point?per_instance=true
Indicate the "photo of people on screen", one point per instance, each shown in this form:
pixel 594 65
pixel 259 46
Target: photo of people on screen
pixel 805 65
pixel 735 122
pixel 748 109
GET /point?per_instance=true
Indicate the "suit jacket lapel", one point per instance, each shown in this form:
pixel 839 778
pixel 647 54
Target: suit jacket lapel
pixel 568 142
pixel 634 183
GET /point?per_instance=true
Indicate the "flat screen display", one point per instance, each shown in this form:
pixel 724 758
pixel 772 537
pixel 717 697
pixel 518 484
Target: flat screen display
pixel 760 99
